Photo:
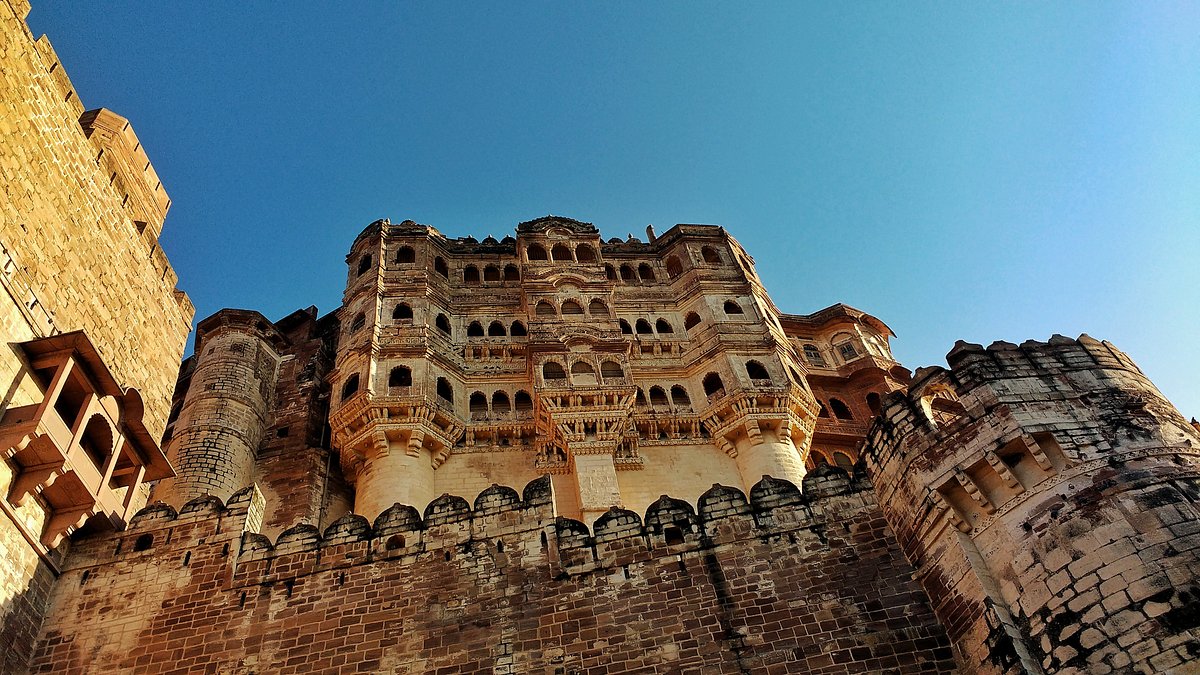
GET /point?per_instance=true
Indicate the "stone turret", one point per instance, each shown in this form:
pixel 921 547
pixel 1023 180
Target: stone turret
pixel 227 407
pixel 1046 494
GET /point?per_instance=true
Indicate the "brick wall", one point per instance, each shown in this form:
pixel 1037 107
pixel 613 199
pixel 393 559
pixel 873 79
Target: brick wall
pixel 774 583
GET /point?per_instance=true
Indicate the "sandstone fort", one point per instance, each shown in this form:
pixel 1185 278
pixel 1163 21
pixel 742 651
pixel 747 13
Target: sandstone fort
pixel 554 452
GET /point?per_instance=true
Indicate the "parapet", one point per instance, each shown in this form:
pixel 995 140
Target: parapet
pixel 123 157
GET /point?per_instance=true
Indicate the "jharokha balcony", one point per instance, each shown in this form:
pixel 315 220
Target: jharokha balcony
pixel 83 450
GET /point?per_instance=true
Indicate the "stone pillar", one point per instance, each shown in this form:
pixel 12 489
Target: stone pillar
pixel 598 490
pixel 225 412
pixel 767 453
pixel 394 473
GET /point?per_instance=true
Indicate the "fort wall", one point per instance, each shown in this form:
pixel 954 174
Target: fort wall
pixel 770 583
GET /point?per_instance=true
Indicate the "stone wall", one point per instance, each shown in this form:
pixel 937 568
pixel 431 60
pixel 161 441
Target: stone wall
pixel 1047 495
pixel 775 582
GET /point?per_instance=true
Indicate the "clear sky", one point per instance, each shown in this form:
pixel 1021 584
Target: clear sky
pixel 961 170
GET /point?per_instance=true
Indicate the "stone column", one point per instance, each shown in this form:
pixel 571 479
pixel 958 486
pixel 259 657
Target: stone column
pixel 767 453
pixel 394 472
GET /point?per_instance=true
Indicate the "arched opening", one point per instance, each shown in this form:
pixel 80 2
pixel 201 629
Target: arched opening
pixel 553 370
pixel 639 398
pixel 646 273
pixel 874 403
pixel 500 402
pixel 444 390
pixel 97 441
pixel 358 322
pixel 561 252
pixel 757 371
pixel 585 253
pixel 840 409
pixel 817 458
pixel 824 412
pixel 674 267
pixel 402 312
pixel 496 329
pixel 477 404
pixel 475 329
pixel 625 327
pixel 713 384
pixel 511 273
pixel 350 388
pixel 643 327
pixel 471 275
pixel 610 272
pixel 518 328
pixel 843 460
pixel 691 320
pixel 611 370
pixel 658 397
pixel 440 266
pixel 535 252
pixel 582 372
pixel 442 323
pixel 522 401
pixel 143 543
pixel 710 255
pixel 731 307
pixel 571 308
pixel 679 396
pixel 663 326
pixel 401 376
pixel 395 542
pixel 544 308
pixel 597 307
pixel 406 255
pixel 491 273
pixel 627 273
pixel 364 264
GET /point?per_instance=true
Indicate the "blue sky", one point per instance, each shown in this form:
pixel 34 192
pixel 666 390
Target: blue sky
pixel 961 170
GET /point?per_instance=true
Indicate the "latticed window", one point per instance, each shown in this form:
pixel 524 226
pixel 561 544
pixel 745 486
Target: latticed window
pixel 847 351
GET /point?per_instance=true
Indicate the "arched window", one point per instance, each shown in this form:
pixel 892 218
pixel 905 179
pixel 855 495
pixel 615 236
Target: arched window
pixel 518 329
pixel 358 322
pixel 442 323
pixel 582 368
pixel 646 273
pixel 364 264
pixel 477 404
pixel 500 402
pixel 535 252
pixel 710 255
pixel 552 370
pixel 597 307
pixel 610 272
pixel 658 396
pixel 679 397
pixel 674 267
pixel 523 401
pixel 491 273
pixel 444 390
pixel 639 399
pixel 813 355
pixel 840 409
pixel 611 369
pixel 395 542
pixel 402 312
pixel 511 273
pixel 585 253
pixel 662 326
pixel 873 403
pixel 544 308
pixel 713 384
pixel 406 255
pixel 757 371
pixel 475 329
pixel 731 307
pixel 626 329
pixel 471 275
pixel 817 458
pixel 97 441
pixel 571 308
pixel 843 460
pixel 627 273
pixel 824 412
pixel 847 351
pixel 401 376
pixel 440 266
pixel 351 387
pixel 496 329
pixel 643 327
pixel 691 320
pixel 560 252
